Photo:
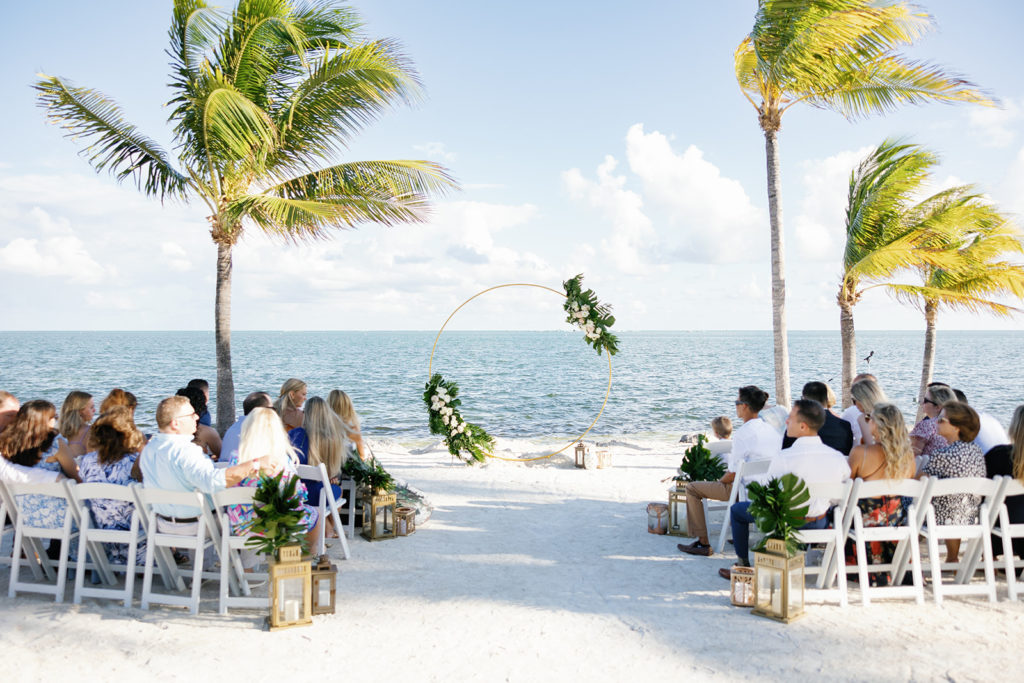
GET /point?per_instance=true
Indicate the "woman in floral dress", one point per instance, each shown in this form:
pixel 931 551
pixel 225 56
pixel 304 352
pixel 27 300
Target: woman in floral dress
pixel 925 437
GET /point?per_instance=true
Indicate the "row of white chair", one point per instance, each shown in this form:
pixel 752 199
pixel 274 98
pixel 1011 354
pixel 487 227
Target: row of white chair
pixel 212 530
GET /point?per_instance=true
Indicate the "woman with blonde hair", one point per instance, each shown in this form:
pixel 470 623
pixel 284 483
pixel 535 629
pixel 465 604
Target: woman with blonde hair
pixel 289 404
pixel 76 413
pixel 263 435
pixel 889 457
pixel 322 440
pixel 342 406
pixel 1008 460
pixel 866 393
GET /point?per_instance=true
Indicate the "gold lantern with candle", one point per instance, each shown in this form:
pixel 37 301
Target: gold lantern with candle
pixel 290 600
pixel 741 586
pixel 676 512
pixel 779 582
pixel 379 516
pixel 604 459
pixel 581 455
pixel 324 576
pixel 405 521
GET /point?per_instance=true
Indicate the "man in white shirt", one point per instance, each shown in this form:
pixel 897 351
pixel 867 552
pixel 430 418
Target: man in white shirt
pixel 755 440
pixel 257 399
pixel 853 412
pixel 991 433
pixel 809 459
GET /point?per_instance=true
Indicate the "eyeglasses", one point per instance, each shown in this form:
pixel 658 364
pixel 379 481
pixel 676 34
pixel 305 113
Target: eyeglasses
pixel 740 403
pixel 928 400
pixel 867 418
pixel 187 415
pixel 943 419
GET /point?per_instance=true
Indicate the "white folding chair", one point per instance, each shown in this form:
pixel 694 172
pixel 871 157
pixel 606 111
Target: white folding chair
pixel 156 540
pixel 37 560
pixel 973 553
pixel 991 490
pixel 231 543
pixel 348 504
pixel 747 472
pixel 92 539
pixel 30 530
pixel 832 538
pixel 906 533
pixel 326 505
pixel 163 557
pixel 1008 531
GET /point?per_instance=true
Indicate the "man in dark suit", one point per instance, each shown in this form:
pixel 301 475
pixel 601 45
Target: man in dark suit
pixel 836 432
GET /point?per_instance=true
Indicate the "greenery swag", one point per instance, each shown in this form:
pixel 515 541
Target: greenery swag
pixel 590 315
pixel 469 442
pixel 369 473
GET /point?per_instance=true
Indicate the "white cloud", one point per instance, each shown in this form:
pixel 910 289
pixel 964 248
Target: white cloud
pixel 819 229
pixel 64 256
pixel 436 150
pixel 997 127
pixel 175 256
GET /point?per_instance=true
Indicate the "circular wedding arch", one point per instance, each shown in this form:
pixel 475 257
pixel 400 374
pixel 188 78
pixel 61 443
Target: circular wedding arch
pixel 607 391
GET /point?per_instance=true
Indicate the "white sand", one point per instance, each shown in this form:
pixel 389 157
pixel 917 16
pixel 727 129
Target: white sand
pixel 524 573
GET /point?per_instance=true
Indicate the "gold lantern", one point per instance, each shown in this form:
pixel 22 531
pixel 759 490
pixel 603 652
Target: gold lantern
pixel 290 601
pixel 379 517
pixel 604 459
pixel 779 582
pixel 581 455
pixel 657 518
pixel 741 586
pixel 405 521
pixel 676 512
pixel 324 577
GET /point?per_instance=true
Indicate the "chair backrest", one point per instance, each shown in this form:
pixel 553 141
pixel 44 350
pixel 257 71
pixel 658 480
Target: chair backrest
pixel 317 473
pixel 90 490
pixel 977 486
pixel 148 497
pixel 1013 487
pixel 235 495
pixel 747 473
pixel 834 490
pixel 908 488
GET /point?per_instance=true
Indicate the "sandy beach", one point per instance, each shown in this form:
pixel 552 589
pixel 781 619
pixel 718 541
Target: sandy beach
pixel 536 572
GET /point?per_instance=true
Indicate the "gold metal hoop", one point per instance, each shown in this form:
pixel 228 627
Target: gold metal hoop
pixel 607 392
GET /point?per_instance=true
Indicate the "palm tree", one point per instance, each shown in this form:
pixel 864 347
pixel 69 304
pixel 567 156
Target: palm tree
pixel 978 274
pixel 265 99
pixel 832 54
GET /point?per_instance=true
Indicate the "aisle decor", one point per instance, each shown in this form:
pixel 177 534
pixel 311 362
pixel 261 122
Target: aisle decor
pixel 779 509
pixel 698 464
pixel 378 497
pixel 470 442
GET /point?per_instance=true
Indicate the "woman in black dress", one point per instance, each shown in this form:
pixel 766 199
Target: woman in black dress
pixel 1008 460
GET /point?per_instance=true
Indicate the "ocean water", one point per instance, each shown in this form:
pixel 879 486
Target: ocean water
pixel 514 384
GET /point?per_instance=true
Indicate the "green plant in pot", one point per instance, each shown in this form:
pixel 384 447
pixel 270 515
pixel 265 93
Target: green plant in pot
pixel 699 464
pixel 779 509
pixel 277 515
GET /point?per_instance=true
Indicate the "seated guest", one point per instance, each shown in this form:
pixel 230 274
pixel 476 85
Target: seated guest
pixel 113 458
pixel 8 409
pixel 1008 460
pixel 866 393
pixel 721 428
pixel 263 435
pixel 203 386
pixel 76 413
pixel 341 404
pixel 31 440
pixel 289 404
pixel 990 432
pixel 852 412
pixel 809 459
pixel 830 401
pixel 321 440
pixel 890 457
pixel 257 399
pixel 170 461
pixel 924 437
pixel 119 397
pixel 958 424
pixel 754 440
pixel 206 437
pixel 836 432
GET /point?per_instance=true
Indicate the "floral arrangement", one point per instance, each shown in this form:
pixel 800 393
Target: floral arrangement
pixel 699 464
pixel 590 315
pixel 278 512
pixel 371 474
pixel 466 441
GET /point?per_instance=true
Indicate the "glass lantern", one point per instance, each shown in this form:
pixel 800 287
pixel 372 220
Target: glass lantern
pixel 290 600
pixel 741 586
pixel 581 455
pixel 405 521
pixel 324 578
pixel 657 518
pixel 604 459
pixel 677 512
pixel 379 517
pixel 779 581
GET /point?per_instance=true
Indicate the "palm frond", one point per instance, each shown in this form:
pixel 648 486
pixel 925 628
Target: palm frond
pixel 234 128
pixel 918 295
pixel 113 143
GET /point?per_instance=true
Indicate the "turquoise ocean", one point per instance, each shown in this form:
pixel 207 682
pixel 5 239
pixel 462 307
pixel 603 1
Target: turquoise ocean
pixel 514 384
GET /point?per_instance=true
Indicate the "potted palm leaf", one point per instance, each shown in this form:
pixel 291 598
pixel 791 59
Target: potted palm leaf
pixel 779 509
pixel 699 464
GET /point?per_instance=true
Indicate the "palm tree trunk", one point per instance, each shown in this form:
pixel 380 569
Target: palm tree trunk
pixel 779 331
pixel 849 342
pixel 930 314
pixel 222 326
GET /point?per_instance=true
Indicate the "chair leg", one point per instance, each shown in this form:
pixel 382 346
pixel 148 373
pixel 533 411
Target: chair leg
pixel 147 574
pixel 934 558
pixel 916 571
pixel 862 561
pixel 80 565
pixel 16 551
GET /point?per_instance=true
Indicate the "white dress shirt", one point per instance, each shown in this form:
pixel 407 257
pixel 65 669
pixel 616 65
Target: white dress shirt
pixel 754 440
pixel 231 438
pixel 850 415
pixel 815 463
pixel 19 474
pixel 991 433
pixel 173 463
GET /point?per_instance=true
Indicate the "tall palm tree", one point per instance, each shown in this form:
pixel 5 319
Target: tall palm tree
pixel 979 273
pixel 265 99
pixel 832 54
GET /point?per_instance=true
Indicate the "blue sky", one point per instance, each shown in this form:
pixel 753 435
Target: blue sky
pixel 589 137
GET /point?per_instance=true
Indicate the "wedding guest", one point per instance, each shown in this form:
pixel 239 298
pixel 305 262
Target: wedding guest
pixel 203 386
pixel 958 424
pixel 889 457
pixel 76 413
pixel 31 440
pixel 321 440
pixel 866 393
pixel 721 428
pixel 206 437
pixel 114 446
pixel 257 399
pixel 830 400
pixel 1008 460
pixel 754 440
pixel 852 412
pixel 925 438
pixel 8 409
pixel 990 432
pixel 835 432
pixel 289 404
pixel 341 404
pixel 119 397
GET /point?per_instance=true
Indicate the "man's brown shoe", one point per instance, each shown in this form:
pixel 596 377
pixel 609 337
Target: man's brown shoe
pixel 725 573
pixel 697 548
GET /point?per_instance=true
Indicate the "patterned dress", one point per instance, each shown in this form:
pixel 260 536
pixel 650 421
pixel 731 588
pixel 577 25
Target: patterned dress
pixel 958 459
pixel 882 511
pixel 108 513
pixel 928 429
pixel 242 515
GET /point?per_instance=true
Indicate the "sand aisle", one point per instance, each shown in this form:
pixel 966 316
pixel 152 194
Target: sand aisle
pixel 524 573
